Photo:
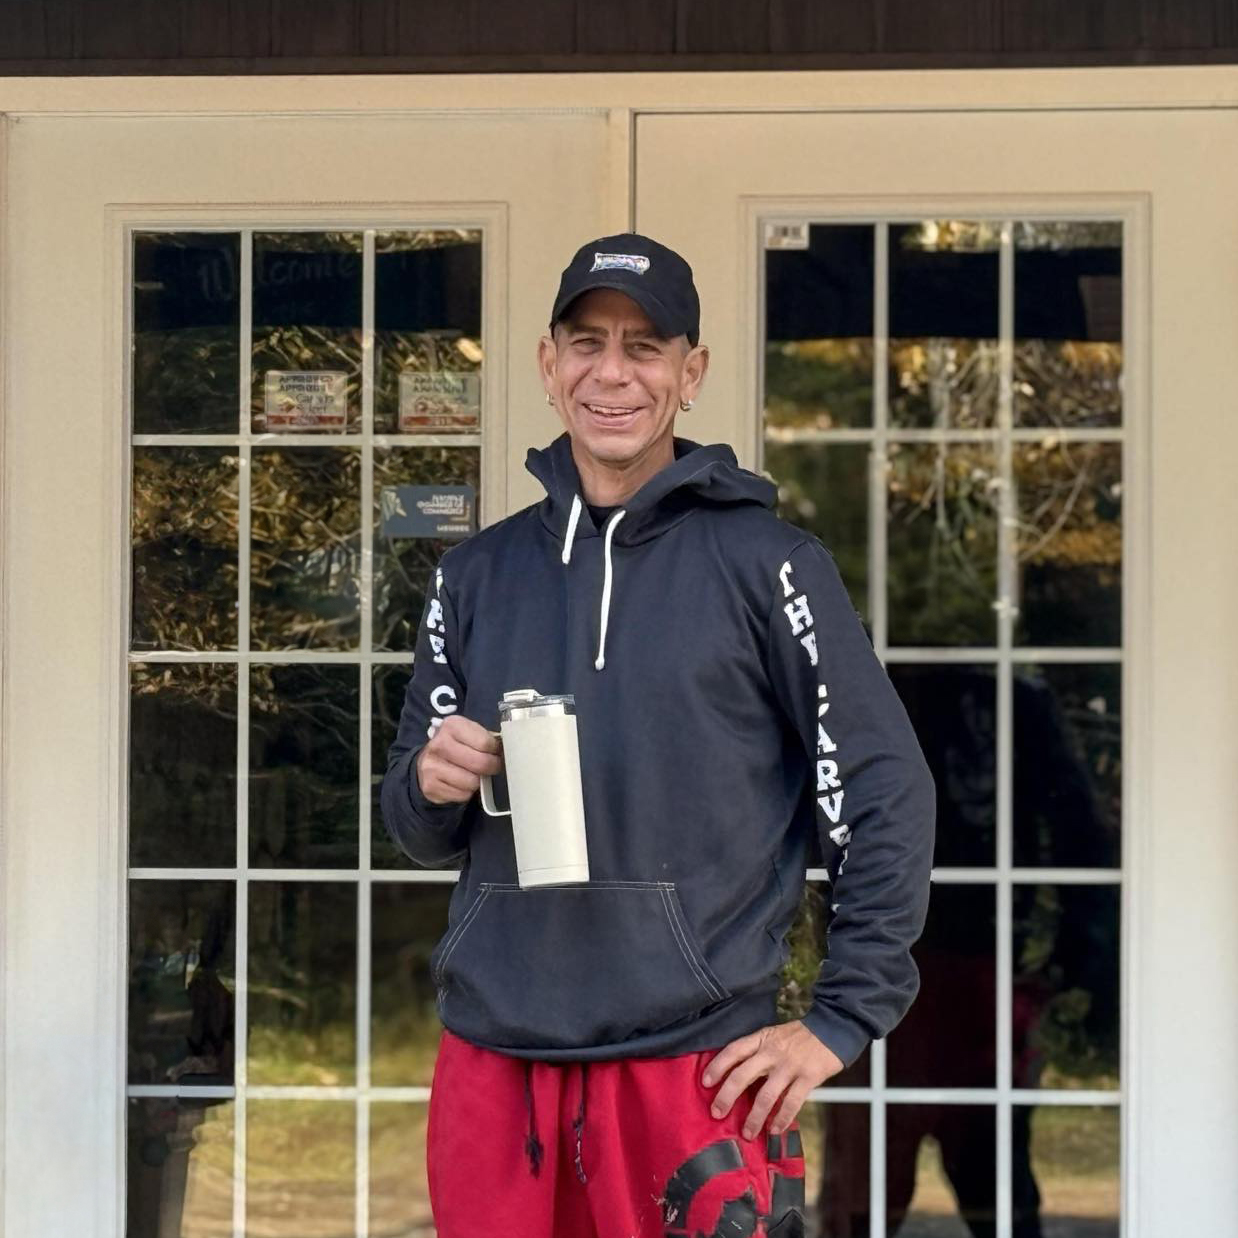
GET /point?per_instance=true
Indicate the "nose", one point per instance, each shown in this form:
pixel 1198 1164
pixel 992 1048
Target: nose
pixel 612 363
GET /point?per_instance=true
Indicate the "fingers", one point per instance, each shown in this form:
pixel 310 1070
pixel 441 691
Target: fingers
pixel 792 1103
pixel 727 1056
pixel 451 765
pixel 775 1085
pixel 738 1081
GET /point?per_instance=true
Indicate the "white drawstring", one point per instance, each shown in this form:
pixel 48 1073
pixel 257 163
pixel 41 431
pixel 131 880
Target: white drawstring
pixel 571 528
pixel 605 615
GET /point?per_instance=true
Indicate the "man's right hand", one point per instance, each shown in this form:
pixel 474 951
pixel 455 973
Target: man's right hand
pixel 450 766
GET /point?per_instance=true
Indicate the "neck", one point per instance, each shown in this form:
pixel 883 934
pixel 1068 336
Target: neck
pixel 608 485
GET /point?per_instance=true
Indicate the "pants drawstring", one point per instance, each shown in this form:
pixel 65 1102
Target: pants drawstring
pixel 532 1145
pixel 579 1124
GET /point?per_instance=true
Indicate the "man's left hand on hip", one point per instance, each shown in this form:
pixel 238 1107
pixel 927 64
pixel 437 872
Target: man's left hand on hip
pixel 790 1059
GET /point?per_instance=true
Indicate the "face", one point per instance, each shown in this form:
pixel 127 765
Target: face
pixel 617 384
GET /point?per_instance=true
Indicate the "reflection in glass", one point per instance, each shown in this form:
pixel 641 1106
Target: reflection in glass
pixel 182 982
pixel 302 982
pixel 300 1168
pixel 953 708
pixel 942 544
pixel 806 945
pixel 186 332
pixel 1072 1180
pixel 307 325
pixel 403 567
pixel 947 1038
pixel 941 1171
pixel 182 765
pixel 399 1195
pixel 408 921
pixel 183 531
pixel 1067 804
pixel 944 356
pixel 1066 1012
pixel 304 735
pixel 836 1169
pixel 305 590
pixel 179 1155
pixel 390 680
pixel 1068 323
pixel 1068 497
pixel 818 331
pixel 823 488
pixel 427 320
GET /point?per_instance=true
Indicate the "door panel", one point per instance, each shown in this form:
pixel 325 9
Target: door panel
pixel 937 332
pixel 238 344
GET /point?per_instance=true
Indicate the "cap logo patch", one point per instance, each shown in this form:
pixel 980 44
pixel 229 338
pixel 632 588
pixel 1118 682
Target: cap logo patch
pixel 620 262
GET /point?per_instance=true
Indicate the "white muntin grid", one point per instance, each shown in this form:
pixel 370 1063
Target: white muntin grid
pixel 360 1094
pixel 1004 656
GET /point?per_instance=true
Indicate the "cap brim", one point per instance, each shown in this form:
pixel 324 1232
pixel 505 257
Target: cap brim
pixel 659 315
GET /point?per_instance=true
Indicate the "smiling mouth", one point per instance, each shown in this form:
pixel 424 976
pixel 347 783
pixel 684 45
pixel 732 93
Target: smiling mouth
pixel 610 410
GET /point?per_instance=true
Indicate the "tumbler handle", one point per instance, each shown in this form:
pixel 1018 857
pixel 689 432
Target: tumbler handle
pixel 487 790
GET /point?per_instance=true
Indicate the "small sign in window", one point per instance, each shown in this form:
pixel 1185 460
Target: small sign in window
pixel 437 401
pixel 428 511
pixel 306 399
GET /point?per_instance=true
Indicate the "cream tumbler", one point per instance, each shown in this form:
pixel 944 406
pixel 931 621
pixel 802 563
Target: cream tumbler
pixel 541 757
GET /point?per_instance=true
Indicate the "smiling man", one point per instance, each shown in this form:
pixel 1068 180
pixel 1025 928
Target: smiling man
pixel 611 1065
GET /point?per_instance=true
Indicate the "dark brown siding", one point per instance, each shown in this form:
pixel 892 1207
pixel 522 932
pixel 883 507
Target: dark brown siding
pixel 393 36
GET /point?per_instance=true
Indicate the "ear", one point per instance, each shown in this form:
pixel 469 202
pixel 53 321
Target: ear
pixel 695 364
pixel 547 357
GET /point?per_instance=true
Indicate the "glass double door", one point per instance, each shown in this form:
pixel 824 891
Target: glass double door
pixel 271 408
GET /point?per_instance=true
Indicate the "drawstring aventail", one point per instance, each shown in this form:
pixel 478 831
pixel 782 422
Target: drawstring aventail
pixel 572 521
pixel 579 1124
pixel 606 585
pixel 532 1145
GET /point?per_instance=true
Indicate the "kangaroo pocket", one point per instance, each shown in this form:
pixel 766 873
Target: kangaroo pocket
pixel 570 966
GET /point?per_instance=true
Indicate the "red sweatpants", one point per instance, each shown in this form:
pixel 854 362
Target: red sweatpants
pixel 624 1149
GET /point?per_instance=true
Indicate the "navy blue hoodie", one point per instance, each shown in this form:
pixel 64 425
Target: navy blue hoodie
pixel 729 707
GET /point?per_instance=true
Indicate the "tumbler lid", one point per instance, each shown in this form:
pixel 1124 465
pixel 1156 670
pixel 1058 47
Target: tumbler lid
pixel 529 703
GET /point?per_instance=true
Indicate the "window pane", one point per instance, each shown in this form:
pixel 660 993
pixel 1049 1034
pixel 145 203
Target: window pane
pixel 403 565
pixel 180 1167
pixel 1066 1012
pixel 302 982
pixel 182 982
pixel 1068 323
pixel 183 530
pixel 186 332
pixel 941 1171
pixel 806 944
pixel 1068 498
pixel 427 325
pixel 948 1037
pixel 304 740
pixel 823 488
pixel 307 331
pixel 819 331
pixel 944 368
pixel 1065 1170
pixel 305 589
pixel 408 920
pixel 836 1169
pixel 1067 802
pixel 182 765
pixel 399 1194
pixel 953 708
pixel 942 544
pixel 300 1168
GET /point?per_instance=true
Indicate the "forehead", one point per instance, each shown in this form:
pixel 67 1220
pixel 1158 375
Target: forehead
pixel 611 310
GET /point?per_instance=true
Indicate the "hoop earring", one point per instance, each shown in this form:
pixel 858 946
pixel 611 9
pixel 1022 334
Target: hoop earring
pixel 685 406
pixel 550 399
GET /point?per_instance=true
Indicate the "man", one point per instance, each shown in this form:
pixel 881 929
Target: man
pixel 610 1064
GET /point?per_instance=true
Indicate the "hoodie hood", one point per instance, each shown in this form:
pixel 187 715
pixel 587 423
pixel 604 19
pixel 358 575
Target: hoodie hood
pixel 698 476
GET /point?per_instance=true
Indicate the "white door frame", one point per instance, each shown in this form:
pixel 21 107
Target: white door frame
pixel 61 989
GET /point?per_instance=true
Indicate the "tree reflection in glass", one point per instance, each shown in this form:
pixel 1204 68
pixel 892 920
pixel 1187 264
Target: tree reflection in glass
pixel 305 583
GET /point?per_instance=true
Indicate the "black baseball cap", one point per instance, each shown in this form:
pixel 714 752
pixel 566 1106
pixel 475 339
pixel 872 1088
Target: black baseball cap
pixel 655 277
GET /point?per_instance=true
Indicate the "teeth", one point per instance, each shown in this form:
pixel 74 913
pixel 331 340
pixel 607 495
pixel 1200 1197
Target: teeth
pixel 605 410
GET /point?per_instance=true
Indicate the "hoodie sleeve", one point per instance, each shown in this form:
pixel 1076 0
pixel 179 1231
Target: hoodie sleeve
pixel 875 801
pixel 430 833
